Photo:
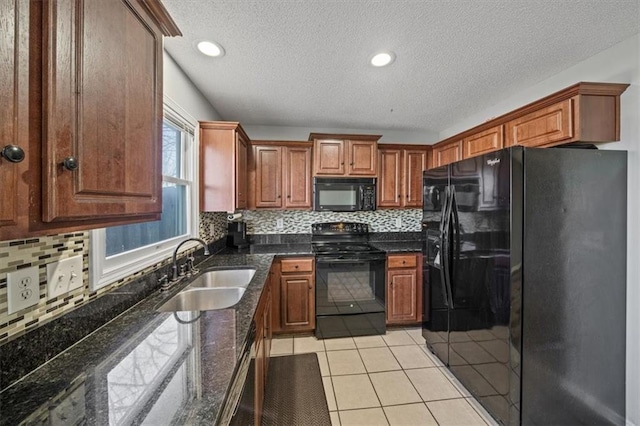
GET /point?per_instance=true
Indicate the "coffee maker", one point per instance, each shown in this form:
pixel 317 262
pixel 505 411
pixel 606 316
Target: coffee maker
pixel 237 235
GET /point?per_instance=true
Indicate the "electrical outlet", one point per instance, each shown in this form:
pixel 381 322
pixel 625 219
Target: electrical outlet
pixel 212 229
pixel 23 289
pixel 279 223
pixel 64 276
pixel 398 222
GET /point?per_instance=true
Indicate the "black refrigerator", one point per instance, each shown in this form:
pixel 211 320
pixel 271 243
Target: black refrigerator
pixel 525 281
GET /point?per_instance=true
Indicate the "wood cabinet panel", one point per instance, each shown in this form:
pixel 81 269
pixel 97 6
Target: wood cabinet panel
pixel 297 177
pixel 404 288
pixel 241 187
pixel 542 127
pixel 415 162
pixel 102 95
pixel 14 119
pixel 362 157
pixel 400 175
pixel 329 157
pixel 483 142
pixel 447 154
pixel 402 295
pixel 223 166
pixel 298 302
pixel 294 295
pixel 268 176
pixel 390 178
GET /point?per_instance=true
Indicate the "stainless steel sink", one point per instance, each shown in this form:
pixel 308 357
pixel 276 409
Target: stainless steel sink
pixel 224 278
pixel 203 299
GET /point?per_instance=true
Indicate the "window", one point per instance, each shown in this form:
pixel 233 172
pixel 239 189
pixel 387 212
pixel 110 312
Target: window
pixel 122 250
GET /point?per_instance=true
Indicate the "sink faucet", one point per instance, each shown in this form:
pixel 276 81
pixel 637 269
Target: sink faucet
pixel 174 268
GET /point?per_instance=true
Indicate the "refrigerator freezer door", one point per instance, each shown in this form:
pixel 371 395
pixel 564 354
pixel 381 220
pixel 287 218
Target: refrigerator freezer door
pixel 480 291
pixel 435 324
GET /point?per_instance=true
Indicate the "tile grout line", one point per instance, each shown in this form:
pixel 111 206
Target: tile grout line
pixel 372 385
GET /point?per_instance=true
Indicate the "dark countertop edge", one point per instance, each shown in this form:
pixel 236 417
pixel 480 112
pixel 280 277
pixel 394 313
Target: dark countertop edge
pixel 132 321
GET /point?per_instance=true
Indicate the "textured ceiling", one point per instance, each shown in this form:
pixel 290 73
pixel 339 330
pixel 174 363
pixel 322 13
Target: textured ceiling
pixel 305 63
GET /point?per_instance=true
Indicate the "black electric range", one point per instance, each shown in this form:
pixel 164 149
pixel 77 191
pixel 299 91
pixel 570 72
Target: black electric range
pixel 350 281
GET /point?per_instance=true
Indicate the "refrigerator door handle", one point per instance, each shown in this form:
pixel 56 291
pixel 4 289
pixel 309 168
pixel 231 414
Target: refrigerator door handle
pixel 453 243
pixel 444 252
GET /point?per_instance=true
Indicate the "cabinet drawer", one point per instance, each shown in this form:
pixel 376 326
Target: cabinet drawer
pixel 296 265
pixel 402 261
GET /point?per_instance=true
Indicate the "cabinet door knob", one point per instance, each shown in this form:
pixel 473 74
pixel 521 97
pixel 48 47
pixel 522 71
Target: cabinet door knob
pixel 310 287
pixel 279 196
pixel 71 163
pixel 12 153
pixel 404 261
pixel 342 164
pixel 288 196
pixel 351 164
pixel 296 266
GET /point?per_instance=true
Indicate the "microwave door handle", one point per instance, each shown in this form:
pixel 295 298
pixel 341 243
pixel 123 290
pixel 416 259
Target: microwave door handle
pixel 361 190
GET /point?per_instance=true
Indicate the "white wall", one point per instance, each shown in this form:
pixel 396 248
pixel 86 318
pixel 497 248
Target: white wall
pixel 618 64
pixel 302 134
pixel 179 88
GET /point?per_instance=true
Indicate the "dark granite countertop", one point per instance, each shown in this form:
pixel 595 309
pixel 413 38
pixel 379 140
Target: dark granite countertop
pixel 144 364
pixel 153 366
pixel 398 246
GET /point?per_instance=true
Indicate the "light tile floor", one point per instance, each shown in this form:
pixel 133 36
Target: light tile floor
pixel 386 380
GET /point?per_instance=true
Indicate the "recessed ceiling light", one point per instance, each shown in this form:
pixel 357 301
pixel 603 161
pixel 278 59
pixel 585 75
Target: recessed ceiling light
pixel 382 59
pixel 210 48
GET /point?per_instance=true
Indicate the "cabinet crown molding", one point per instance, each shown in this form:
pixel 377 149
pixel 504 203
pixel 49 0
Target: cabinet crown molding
pixel 581 88
pixel 342 136
pixel 165 22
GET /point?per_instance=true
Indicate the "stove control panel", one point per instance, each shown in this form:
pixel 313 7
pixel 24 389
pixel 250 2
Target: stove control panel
pixel 340 228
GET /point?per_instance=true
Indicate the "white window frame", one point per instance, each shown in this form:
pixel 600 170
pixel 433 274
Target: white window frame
pixel 104 271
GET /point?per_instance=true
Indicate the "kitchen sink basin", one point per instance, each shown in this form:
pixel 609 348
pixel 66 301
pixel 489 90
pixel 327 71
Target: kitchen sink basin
pixel 224 278
pixel 203 299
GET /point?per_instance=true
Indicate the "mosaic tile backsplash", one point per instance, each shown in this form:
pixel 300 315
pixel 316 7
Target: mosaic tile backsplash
pixel 40 251
pixel 299 222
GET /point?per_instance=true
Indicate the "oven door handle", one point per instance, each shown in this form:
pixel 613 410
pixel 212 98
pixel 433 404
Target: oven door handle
pixel 349 260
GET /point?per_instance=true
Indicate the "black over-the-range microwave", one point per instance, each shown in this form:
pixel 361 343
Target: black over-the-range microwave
pixel 344 194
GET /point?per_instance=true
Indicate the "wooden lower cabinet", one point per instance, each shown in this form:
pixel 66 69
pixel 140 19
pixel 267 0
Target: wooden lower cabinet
pixel 404 288
pixel 262 345
pixel 293 307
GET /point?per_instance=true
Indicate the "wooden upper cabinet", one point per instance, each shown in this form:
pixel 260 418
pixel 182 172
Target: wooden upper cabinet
pixel 268 172
pixel 447 153
pixel 483 142
pixel 14 119
pixel 223 166
pixel 400 175
pixel 415 162
pixel 297 177
pixel 547 125
pixel 280 175
pixel 81 93
pixel 344 155
pixel 329 157
pixel 584 112
pixel 390 177
pixel 362 158
pixel 102 99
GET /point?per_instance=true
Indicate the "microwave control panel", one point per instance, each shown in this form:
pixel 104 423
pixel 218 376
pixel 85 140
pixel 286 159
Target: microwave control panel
pixel 368 198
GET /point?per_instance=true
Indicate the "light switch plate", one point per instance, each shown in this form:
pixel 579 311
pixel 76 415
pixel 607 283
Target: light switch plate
pixel 64 276
pixel 23 289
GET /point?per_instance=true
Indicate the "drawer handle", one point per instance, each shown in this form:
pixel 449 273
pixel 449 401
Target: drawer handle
pixel 404 261
pixel 296 266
